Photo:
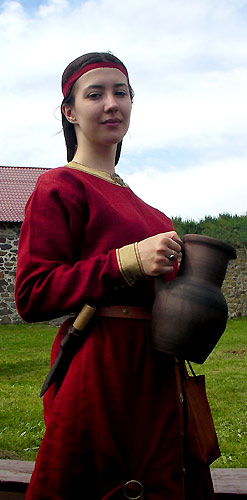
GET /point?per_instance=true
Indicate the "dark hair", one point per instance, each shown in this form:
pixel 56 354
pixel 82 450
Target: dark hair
pixel 72 68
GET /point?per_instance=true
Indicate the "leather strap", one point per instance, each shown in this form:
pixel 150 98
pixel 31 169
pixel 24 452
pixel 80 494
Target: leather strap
pixel 127 312
pixel 180 396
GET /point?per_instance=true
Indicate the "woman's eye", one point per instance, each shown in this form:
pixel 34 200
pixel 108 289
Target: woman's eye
pixel 120 93
pixel 94 95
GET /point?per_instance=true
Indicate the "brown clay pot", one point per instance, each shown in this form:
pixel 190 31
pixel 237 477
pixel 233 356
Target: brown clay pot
pixel 190 313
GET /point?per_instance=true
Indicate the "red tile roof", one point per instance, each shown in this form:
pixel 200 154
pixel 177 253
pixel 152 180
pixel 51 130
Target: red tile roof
pixel 16 185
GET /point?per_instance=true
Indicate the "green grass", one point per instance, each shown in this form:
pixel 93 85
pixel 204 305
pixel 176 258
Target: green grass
pixel 24 362
pixel 226 380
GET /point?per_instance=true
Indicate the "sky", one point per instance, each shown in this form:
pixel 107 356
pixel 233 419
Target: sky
pixel 186 149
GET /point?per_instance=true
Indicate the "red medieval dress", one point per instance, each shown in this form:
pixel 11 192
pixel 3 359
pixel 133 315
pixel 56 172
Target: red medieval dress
pixel 116 417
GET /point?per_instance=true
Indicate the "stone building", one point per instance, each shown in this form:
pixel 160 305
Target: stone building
pixel 16 185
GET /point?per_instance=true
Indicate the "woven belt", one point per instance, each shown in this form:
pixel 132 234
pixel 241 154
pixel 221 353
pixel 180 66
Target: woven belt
pixel 127 312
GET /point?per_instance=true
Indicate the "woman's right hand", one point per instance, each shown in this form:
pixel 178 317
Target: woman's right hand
pixel 155 252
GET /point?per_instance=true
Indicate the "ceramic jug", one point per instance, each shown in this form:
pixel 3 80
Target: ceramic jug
pixel 190 313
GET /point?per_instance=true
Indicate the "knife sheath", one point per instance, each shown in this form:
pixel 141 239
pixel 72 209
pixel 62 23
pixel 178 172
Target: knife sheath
pixel 71 342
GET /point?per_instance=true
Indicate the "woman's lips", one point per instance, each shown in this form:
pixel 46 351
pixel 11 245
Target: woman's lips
pixel 111 122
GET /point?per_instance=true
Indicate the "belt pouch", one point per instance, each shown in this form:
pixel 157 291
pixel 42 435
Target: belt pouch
pixel 200 436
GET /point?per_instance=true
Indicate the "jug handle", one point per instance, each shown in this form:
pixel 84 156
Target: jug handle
pixel 158 281
pixel 181 243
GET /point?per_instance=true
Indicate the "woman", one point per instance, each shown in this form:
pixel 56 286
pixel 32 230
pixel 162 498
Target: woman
pixel 115 422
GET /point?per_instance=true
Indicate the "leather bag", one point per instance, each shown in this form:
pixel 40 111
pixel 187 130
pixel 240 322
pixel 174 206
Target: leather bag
pixel 200 436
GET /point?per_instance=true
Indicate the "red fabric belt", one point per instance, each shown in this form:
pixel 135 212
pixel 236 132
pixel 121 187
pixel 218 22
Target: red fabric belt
pixel 127 312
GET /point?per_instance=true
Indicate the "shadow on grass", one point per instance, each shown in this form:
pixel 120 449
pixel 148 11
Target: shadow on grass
pixel 23 367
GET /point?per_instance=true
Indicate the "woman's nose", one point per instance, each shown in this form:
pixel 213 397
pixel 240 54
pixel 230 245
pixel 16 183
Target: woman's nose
pixel 111 103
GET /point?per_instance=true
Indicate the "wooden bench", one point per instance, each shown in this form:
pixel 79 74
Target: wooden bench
pixel 229 484
pixel 14 478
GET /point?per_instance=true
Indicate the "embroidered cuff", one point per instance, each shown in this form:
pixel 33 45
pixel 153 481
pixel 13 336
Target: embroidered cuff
pixel 129 263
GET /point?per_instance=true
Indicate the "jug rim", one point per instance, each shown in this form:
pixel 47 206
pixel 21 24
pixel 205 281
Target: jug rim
pixel 208 240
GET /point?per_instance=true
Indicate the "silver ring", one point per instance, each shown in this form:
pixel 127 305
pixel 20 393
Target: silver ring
pixel 137 483
pixel 171 257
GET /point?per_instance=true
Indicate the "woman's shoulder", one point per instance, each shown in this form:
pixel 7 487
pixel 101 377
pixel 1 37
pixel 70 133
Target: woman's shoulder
pixel 61 179
pixel 59 186
pixel 70 175
pixel 59 174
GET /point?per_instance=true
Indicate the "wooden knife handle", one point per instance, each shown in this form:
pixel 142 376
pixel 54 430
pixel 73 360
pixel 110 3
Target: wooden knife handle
pixel 84 317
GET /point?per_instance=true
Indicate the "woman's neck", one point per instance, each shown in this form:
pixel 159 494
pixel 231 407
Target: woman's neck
pixel 100 158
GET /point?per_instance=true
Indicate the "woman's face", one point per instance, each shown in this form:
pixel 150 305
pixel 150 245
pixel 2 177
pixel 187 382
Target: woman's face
pixel 102 107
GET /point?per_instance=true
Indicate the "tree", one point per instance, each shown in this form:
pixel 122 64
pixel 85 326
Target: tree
pixel 231 229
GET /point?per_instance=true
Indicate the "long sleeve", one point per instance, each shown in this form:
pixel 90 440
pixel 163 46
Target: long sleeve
pixel 52 279
pixel 77 245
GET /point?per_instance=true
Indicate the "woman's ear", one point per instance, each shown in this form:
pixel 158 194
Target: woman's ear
pixel 68 113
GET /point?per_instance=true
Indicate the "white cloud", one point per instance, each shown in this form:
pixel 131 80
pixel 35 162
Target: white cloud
pixel 52 8
pixel 192 108
pixel 209 189
pixel 187 63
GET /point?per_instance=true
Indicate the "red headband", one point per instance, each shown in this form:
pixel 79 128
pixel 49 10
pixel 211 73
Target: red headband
pixel 89 67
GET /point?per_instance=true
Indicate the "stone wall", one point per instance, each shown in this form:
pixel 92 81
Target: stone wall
pixel 9 234
pixel 234 287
